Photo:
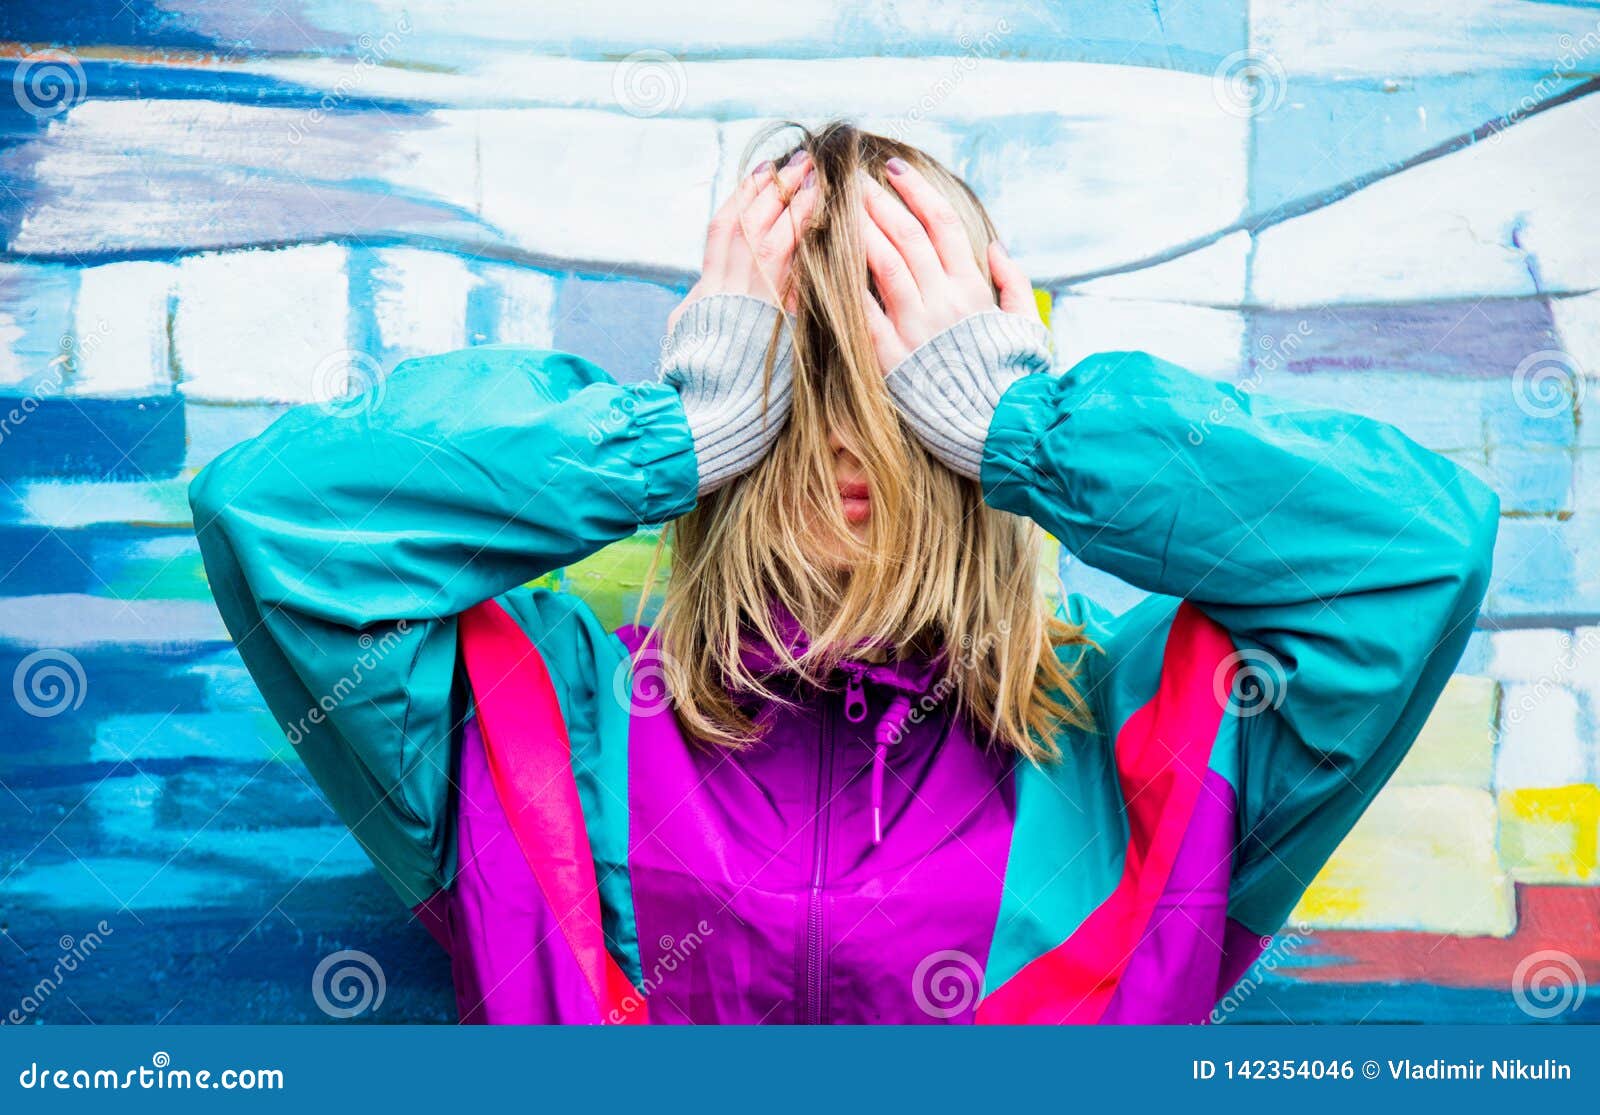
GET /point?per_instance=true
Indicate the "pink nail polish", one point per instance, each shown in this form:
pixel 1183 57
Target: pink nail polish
pixel 761 167
pixel 896 165
pixel 810 179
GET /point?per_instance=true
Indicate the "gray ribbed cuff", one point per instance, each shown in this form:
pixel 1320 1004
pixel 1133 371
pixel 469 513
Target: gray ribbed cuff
pixel 948 389
pixel 716 358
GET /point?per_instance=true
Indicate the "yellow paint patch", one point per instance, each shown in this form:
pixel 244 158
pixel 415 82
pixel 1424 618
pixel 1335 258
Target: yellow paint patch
pixel 1041 298
pixel 1424 858
pixel 1551 835
pixel 1456 745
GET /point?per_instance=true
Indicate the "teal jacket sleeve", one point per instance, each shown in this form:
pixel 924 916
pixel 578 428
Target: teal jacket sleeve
pixel 341 543
pixel 1344 560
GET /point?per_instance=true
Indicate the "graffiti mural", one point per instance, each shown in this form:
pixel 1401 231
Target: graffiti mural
pixel 212 211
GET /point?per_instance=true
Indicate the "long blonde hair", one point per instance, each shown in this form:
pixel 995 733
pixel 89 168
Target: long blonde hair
pixel 938 568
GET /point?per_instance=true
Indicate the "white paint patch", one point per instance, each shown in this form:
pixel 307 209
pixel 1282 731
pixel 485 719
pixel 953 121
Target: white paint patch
pixel 419 299
pixel 73 504
pixel 594 186
pixel 1125 139
pixel 1578 324
pixel 72 620
pixel 522 306
pixel 1540 744
pixel 1462 226
pixel 1213 276
pixel 120 330
pixel 1113 180
pixel 1418 37
pixel 1204 340
pixel 258 325
pixel 1421 858
pixel 129 175
pixel 1534 655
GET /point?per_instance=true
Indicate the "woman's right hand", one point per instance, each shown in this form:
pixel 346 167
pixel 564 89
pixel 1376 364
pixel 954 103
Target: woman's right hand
pixel 751 239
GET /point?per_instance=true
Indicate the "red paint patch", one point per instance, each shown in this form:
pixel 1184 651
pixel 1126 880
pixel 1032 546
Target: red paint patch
pixel 1558 918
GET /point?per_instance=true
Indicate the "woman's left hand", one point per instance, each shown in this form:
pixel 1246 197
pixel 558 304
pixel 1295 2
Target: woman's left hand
pixel 921 259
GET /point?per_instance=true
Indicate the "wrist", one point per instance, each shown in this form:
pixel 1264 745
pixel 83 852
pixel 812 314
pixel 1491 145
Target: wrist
pixel 949 388
pixel 716 359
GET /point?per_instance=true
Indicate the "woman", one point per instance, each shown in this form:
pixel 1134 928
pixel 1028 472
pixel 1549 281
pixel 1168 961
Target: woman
pixel 857 771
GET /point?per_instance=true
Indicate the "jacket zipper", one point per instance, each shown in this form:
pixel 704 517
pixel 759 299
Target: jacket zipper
pixel 819 859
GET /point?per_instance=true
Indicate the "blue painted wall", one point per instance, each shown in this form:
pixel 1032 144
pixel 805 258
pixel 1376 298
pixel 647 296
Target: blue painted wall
pixel 211 211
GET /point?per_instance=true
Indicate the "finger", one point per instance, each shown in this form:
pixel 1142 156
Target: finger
pixel 777 247
pixel 886 341
pixel 939 218
pixel 904 231
pixel 739 264
pixel 764 208
pixel 1016 292
pixel 889 270
pixel 724 225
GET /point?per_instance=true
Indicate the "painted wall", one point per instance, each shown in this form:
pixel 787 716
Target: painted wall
pixel 213 210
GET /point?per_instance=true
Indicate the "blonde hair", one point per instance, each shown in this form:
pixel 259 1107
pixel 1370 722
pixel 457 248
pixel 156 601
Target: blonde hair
pixel 938 568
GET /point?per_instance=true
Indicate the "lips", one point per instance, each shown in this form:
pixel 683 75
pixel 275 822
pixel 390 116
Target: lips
pixel 856 501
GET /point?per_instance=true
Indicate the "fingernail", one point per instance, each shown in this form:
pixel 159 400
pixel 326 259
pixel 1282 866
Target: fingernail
pixel 1002 249
pixel 797 158
pixel 897 166
pixel 765 165
pixel 810 179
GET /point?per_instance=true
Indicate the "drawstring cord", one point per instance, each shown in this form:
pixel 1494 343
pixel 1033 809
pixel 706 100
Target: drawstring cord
pixel 891 725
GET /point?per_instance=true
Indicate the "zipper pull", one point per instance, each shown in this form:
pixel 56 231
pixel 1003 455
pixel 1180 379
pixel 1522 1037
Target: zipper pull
pixel 855 697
